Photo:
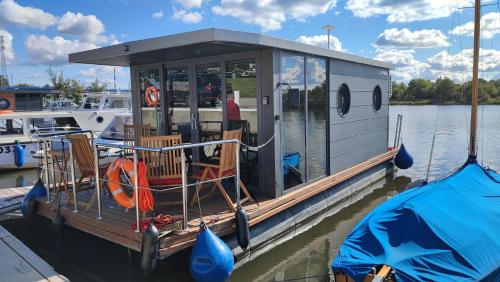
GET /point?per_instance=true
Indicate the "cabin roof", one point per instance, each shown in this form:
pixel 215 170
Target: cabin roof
pixel 202 43
pixel 41 91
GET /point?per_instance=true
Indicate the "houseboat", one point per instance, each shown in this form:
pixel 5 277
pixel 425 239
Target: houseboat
pixel 313 126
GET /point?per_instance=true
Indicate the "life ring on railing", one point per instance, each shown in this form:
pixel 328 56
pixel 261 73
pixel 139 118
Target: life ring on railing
pixel 146 200
pixel 152 95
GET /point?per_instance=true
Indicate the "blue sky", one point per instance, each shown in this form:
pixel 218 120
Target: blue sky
pixel 421 37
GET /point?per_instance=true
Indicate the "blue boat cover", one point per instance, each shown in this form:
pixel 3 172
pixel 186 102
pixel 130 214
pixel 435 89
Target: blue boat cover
pixel 447 230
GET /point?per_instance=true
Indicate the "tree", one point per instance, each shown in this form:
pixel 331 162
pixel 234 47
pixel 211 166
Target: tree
pixel 443 90
pixel 96 86
pixel 4 82
pixel 398 91
pixel 58 81
pixel 419 89
pixel 76 89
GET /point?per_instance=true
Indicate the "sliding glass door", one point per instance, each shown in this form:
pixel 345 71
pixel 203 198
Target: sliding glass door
pixel 303 118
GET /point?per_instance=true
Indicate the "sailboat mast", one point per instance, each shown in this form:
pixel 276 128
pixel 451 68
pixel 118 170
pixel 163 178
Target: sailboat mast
pixel 475 65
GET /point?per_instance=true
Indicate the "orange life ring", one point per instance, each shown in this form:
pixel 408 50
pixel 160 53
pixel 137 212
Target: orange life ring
pixel 152 95
pixel 115 187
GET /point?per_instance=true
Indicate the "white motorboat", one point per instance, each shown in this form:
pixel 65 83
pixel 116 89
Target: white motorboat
pixel 106 120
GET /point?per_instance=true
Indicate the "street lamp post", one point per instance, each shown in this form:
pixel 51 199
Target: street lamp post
pixel 328 28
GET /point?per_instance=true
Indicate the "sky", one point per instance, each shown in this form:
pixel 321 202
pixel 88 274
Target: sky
pixel 422 38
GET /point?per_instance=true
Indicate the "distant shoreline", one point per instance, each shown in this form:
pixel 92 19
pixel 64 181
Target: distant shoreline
pixel 429 102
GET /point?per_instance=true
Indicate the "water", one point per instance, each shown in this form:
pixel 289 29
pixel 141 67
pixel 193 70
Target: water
pixel 310 253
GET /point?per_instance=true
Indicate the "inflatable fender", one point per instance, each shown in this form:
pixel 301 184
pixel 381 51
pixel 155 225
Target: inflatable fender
pixel 149 249
pixel 403 159
pixel 242 229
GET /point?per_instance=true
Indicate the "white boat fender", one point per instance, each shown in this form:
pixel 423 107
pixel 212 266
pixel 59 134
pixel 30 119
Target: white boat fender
pixel 242 229
pixel 149 249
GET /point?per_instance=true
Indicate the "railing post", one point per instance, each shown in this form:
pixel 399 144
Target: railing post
pixel 73 181
pixel 46 172
pixel 184 191
pixel 97 182
pixel 136 192
pixel 52 165
pixel 237 180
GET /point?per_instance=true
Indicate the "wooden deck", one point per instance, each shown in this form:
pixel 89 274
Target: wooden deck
pixel 18 263
pixel 10 198
pixel 115 224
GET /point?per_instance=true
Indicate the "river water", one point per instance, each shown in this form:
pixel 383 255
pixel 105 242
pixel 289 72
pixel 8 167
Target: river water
pixel 86 258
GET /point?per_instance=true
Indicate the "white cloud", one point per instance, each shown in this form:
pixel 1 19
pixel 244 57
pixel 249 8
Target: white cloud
pixel 407 67
pixel 53 51
pixel 321 41
pixel 23 16
pixel 187 17
pixel 189 4
pixel 9 51
pixel 88 27
pixel 102 71
pixel 425 38
pixel 271 14
pixel 459 66
pixel 400 11
pixel 490 25
pixel 157 15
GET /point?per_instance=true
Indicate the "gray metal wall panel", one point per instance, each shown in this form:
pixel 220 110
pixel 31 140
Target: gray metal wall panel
pixel 362 133
pixel 342 146
pixel 350 68
pixel 355 157
pixel 356 113
pixel 350 129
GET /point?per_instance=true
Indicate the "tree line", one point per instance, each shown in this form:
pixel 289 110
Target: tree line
pixel 69 87
pixel 444 91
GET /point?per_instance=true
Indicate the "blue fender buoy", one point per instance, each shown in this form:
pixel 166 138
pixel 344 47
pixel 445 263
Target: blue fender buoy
pixel 149 249
pixel 38 190
pixel 403 160
pixel 18 154
pixel 211 259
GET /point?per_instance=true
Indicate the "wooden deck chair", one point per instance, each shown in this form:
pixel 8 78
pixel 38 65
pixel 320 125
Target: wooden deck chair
pixel 132 135
pixel 83 154
pixel 163 168
pixel 225 167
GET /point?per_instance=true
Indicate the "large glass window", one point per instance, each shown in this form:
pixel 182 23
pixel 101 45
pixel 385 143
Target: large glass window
pixel 208 97
pixel 241 106
pixel 149 90
pixel 316 117
pixel 304 123
pixel 293 141
pixel 179 112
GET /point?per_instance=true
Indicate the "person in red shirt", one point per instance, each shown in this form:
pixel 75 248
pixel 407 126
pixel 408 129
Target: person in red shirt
pixel 233 110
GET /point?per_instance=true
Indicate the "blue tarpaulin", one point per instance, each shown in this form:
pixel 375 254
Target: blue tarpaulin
pixel 447 230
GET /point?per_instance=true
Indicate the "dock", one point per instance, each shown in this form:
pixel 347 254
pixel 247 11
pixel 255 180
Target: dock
pixel 10 198
pixel 19 263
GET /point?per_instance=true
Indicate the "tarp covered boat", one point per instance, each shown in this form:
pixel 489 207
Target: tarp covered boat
pixel 448 230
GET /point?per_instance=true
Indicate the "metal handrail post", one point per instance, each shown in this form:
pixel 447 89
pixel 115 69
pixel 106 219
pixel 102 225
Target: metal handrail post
pixel 97 182
pixel 400 128
pixel 136 192
pixel 184 191
pixel 396 131
pixel 46 172
pixel 72 163
pixel 237 180
pixel 52 165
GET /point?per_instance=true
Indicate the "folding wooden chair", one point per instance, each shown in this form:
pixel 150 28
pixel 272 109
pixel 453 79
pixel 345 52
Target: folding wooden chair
pixel 225 167
pixel 83 153
pixel 163 168
pixel 132 135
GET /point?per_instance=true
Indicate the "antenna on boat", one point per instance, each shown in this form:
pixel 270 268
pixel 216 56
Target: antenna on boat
pixel 4 82
pixel 474 100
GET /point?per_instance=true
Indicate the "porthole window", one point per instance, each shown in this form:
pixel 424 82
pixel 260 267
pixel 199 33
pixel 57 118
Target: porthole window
pixel 343 99
pixel 377 98
pixel 4 104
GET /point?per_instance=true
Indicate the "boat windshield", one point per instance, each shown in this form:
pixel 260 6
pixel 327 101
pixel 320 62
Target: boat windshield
pixel 114 131
pixel 11 126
